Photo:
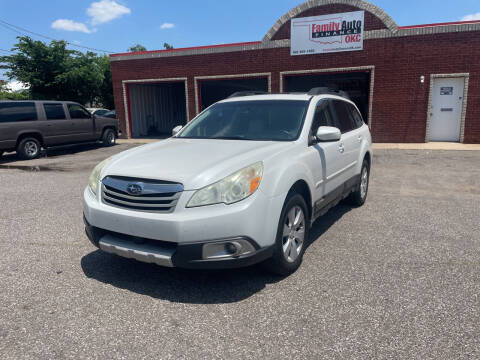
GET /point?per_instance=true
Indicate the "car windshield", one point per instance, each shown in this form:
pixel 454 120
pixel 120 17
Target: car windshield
pixel 269 120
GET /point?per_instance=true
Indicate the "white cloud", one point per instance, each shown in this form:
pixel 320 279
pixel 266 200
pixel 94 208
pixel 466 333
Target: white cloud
pixel 106 10
pixel 70 25
pixel 167 26
pixel 471 17
pixel 16 86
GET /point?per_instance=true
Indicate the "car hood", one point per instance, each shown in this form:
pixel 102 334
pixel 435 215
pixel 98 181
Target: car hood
pixel 193 162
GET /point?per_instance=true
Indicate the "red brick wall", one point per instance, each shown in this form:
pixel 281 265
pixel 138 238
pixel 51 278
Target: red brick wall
pixel 371 21
pixel 400 101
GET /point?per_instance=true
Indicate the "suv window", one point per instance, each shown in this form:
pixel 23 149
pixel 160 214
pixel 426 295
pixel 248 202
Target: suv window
pixel 344 117
pixel 17 111
pixel 54 111
pixel 357 118
pixel 78 112
pixel 323 116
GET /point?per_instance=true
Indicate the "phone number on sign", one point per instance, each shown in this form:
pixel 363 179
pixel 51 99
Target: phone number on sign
pixel 309 51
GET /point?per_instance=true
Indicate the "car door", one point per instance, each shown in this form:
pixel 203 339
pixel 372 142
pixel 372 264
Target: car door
pixel 326 159
pixel 57 128
pixel 82 121
pixel 349 142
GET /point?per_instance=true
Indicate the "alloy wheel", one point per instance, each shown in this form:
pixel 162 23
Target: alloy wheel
pixel 293 233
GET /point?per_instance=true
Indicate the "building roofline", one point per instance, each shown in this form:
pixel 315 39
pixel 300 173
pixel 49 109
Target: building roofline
pixel 410 30
pixel 439 24
pixel 186 48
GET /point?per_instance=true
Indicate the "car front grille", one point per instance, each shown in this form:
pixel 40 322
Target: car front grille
pixel 140 194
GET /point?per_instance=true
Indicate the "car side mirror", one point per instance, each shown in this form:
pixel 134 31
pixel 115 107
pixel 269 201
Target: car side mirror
pixel 328 133
pixel 176 130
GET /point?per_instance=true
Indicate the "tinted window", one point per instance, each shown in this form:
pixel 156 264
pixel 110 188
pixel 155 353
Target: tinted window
pixel 100 112
pixel 274 120
pixel 78 112
pixel 344 118
pixel 54 111
pixel 17 111
pixel 323 116
pixel 357 118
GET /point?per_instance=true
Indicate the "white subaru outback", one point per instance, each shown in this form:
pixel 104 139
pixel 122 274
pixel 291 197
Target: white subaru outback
pixel 239 184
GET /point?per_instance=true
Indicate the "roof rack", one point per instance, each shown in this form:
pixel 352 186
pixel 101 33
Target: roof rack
pixel 328 91
pixel 247 93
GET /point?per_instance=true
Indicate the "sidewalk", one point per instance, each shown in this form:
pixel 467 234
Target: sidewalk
pixel 376 146
pixel 427 146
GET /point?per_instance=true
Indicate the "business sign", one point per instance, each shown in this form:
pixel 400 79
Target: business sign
pixel 327 33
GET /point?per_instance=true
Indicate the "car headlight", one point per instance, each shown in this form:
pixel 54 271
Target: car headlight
pixel 95 175
pixel 231 189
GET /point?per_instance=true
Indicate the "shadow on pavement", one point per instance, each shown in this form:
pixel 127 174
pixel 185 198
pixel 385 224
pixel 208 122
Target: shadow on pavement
pixel 54 152
pixel 191 286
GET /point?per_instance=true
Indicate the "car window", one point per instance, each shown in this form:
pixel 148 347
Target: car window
pixel 17 111
pixel 323 116
pixel 271 120
pixel 100 112
pixel 78 112
pixel 54 111
pixel 357 118
pixel 110 114
pixel 344 118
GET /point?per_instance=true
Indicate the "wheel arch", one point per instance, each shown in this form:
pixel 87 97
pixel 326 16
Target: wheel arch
pixel 34 134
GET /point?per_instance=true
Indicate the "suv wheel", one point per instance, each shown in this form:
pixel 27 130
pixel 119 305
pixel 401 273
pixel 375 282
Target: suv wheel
pixel 292 235
pixel 28 148
pixel 109 137
pixel 359 195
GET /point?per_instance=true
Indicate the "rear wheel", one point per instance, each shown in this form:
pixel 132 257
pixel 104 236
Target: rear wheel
pixel 28 148
pixel 292 235
pixel 359 195
pixel 109 137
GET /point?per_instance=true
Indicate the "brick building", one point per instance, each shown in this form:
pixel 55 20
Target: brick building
pixel 412 83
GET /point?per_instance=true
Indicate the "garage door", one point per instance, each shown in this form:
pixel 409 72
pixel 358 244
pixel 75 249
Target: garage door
pixel 156 109
pixel 356 84
pixel 212 91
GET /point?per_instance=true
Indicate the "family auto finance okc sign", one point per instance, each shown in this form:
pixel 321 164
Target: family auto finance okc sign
pixel 327 33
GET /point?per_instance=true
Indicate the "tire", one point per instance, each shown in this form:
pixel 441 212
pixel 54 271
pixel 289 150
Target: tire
pixel 359 195
pixel 29 148
pixel 289 244
pixel 109 137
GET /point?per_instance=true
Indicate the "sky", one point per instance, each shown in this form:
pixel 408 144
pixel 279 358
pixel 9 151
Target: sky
pixel 115 25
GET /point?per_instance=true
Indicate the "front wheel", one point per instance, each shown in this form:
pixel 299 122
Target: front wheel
pixel 292 235
pixel 359 195
pixel 109 137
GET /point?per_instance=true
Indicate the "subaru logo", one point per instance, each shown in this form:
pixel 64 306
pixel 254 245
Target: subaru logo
pixel 134 189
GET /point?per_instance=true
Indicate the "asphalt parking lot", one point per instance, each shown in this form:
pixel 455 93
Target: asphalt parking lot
pixel 396 278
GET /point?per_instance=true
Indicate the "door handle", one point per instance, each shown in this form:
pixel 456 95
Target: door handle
pixel 359 138
pixel 341 148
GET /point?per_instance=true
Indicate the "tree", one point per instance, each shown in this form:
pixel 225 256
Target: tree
pixel 54 72
pixel 167 46
pixel 105 91
pixel 137 48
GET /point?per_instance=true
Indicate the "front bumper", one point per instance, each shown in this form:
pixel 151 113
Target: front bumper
pixel 184 255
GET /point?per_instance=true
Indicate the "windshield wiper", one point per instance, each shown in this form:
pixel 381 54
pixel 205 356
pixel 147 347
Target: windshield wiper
pixel 239 137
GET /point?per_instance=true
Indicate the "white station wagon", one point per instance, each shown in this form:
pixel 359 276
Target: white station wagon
pixel 239 184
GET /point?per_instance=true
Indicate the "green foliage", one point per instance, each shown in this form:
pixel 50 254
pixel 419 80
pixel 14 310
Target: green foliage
pixel 14 95
pixel 167 46
pixel 137 48
pixel 54 72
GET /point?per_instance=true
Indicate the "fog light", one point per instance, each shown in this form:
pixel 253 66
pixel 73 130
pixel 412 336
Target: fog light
pixel 227 249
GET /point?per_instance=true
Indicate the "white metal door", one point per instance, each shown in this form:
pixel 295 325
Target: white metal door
pixel 446 112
